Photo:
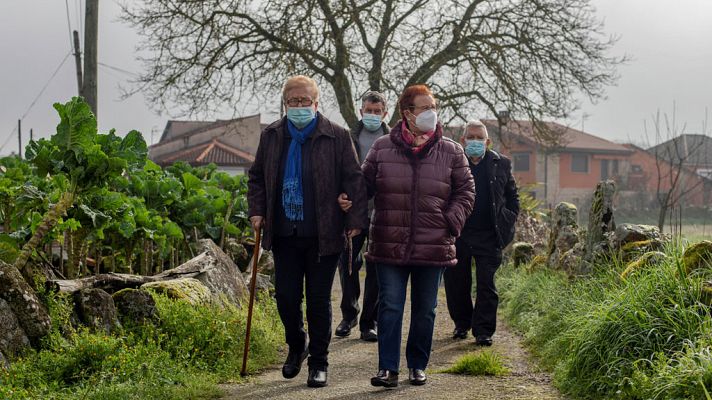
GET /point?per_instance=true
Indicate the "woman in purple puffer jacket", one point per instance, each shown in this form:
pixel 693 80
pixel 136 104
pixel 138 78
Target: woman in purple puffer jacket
pixel 423 193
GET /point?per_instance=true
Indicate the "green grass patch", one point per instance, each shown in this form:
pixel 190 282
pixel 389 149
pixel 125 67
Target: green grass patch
pixel 480 363
pixel 647 337
pixel 183 356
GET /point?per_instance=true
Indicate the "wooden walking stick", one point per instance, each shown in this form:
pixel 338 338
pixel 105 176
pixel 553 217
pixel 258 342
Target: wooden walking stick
pixel 255 259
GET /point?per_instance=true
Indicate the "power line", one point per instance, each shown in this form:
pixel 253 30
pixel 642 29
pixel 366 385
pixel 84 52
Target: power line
pixel 29 108
pixel 69 24
pixel 127 72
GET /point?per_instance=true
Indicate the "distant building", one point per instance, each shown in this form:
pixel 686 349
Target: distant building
pixel 566 172
pixel 230 144
pixel 696 150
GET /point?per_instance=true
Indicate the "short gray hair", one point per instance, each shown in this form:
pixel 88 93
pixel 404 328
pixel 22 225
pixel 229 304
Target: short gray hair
pixel 373 96
pixel 475 123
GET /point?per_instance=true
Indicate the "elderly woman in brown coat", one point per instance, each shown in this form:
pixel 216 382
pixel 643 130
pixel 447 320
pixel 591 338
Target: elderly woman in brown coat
pixel 423 194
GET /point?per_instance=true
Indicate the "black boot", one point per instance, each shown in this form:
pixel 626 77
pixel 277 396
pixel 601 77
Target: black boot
pixel 293 364
pixel 317 377
pixel 385 378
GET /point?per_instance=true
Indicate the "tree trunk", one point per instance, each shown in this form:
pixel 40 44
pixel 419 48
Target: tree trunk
pixel 48 222
pixel 108 282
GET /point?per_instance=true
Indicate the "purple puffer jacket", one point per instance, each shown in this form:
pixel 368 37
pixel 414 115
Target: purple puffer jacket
pixel 421 200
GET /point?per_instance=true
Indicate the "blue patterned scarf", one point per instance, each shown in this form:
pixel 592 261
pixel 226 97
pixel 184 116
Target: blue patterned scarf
pixel 292 195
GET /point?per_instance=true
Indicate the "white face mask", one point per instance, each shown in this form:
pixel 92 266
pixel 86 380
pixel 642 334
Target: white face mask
pixel 426 121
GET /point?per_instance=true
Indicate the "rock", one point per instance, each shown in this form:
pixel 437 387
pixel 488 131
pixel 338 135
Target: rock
pixel 135 305
pixel 96 309
pixel 238 253
pixel 573 262
pixel 698 257
pixel 564 234
pixel 627 233
pixel 600 219
pixel 646 261
pixel 266 264
pixel 4 364
pixel 188 289
pixel 263 282
pixel 533 230
pixel 522 253
pixel 30 312
pixel 633 250
pixel 706 293
pixel 214 269
pixel 13 339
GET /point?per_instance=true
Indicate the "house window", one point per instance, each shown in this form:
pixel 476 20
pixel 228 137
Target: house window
pixel 521 162
pixel 636 169
pixel 579 163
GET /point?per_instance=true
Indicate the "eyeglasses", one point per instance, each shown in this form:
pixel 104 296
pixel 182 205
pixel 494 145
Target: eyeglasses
pixel 424 108
pixel 296 101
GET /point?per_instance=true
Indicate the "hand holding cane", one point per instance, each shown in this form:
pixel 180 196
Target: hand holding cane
pixel 253 281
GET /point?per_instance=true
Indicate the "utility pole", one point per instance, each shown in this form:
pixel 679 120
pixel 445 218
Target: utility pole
pixel 19 138
pixel 78 62
pixel 91 30
pixel 31 138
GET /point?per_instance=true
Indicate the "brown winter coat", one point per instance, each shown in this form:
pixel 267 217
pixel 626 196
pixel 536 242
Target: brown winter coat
pixel 335 170
pixel 421 201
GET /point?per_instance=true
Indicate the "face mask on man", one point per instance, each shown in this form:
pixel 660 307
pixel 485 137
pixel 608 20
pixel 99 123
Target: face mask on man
pixel 475 148
pixel 372 122
pixel 300 116
pixel 426 121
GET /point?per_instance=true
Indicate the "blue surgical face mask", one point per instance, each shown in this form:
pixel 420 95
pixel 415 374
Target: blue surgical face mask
pixel 475 148
pixel 300 116
pixel 372 122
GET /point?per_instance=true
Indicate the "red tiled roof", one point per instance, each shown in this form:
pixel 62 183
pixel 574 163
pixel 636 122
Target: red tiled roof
pixel 206 153
pixel 573 139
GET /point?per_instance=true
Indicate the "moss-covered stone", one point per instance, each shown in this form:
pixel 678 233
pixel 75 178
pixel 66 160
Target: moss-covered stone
pixel 646 261
pixel 627 233
pixel 97 310
pixel 522 253
pixel 600 218
pixel 564 232
pixel 706 293
pixel 188 289
pixel 537 263
pixel 633 250
pixel 135 306
pixel 698 257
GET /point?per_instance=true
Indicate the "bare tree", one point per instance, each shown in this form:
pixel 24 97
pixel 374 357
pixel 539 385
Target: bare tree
pixel 675 178
pixel 531 57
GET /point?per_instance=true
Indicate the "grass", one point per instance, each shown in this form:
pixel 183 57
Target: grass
pixel 183 356
pixel 485 362
pixel 644 338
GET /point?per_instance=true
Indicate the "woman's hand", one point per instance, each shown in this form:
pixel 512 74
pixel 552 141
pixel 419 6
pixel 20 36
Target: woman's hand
pixel 344 202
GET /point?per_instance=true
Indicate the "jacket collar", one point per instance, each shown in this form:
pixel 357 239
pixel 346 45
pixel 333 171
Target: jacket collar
pixel 397 139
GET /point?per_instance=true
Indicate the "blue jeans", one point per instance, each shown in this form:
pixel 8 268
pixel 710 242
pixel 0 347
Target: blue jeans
pixel 392 283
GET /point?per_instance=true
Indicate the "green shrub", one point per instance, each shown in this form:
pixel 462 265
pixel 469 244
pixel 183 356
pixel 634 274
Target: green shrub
pixel 481 363
pixel 604 337
pixel 191 349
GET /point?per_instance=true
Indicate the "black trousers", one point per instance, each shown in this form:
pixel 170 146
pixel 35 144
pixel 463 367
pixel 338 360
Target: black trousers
pixel 458 285
pixel 351 286
pixel 298 269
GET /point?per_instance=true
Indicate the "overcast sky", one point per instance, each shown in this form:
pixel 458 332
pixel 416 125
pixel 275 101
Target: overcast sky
pixel 670 42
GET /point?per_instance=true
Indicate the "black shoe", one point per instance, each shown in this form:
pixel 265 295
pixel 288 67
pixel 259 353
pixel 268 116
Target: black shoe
pixel 385 378
pixel 460 333
pixel 317 377
pixel 293 364
pixel 369 335
pixel 417 376
pixel 344 328
pixel 483 340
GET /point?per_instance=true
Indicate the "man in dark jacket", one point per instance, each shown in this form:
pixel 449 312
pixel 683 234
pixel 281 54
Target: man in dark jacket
pixel 303 162
pixel 487 231
pixel 369 128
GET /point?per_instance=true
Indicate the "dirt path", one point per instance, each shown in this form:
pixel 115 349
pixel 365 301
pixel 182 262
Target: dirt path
pixel 353 362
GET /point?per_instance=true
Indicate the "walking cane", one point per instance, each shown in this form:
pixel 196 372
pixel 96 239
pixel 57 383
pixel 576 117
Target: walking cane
pixel 349 252
pixel 255 258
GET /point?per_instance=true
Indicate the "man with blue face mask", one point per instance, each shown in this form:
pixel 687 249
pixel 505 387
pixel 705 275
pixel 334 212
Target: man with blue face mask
pixel 487 231
pixel 371 127
pixel 303 162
